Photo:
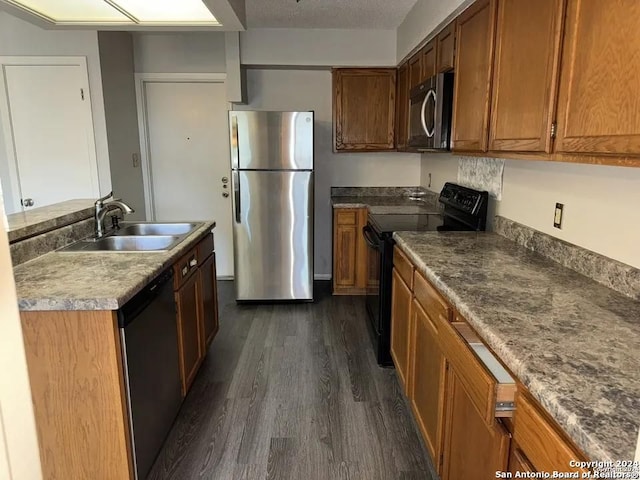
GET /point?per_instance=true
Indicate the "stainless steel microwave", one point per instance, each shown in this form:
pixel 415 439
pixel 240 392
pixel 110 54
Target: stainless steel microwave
pixel 430 109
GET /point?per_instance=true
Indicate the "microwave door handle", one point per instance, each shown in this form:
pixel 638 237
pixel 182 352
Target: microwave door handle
pixel 430 93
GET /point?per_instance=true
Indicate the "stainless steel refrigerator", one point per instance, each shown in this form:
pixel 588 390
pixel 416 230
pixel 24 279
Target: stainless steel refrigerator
pixel 272 187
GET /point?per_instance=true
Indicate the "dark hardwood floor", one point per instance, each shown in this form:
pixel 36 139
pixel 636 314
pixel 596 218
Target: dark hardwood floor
pixel 292 391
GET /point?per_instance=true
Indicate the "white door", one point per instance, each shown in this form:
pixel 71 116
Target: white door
pixel 51 141
pixel 188 143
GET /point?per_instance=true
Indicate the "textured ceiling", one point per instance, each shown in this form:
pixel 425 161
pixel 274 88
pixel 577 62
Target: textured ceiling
pixel 378 14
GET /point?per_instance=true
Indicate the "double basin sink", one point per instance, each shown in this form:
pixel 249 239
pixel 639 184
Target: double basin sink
pixel 137 237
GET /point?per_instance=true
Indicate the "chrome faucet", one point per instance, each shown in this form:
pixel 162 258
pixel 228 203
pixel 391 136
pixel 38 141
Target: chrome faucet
pixel 103 207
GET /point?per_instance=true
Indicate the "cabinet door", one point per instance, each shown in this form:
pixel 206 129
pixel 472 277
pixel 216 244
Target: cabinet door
pixel 429 60
pixel 598 109
pixel 209 313
pixel 400 327
pixel 446 50
pixel 402 107
pixel 518 462
pixel 350 255
pixel 472 87
pixel 473 448
pixel 364 109
pixel 189 332
pixel 525 75
pixel 415 70
pixel 427 383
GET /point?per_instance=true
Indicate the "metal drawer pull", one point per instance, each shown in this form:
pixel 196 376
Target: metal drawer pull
pixel 185 270
pixel 193 263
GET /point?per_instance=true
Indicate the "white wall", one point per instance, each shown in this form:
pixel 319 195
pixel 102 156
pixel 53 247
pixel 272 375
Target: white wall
pixel 318 47
pixel 18 37
pixel 192 52
pixel 600 203
pixel 118 84
pixel 421 20
pixel 19 454
pixel 311 90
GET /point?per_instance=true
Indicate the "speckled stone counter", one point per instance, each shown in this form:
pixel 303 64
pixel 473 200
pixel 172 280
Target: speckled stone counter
pixel 385 200
pixel 95 280
pixel 574 343
pixel 40 220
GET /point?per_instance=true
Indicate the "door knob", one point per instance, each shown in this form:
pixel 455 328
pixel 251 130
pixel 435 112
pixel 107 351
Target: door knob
pixel 225 194
pixel 27 202
pixel 225 179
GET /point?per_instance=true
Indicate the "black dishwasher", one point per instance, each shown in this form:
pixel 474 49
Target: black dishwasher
pixel 149 335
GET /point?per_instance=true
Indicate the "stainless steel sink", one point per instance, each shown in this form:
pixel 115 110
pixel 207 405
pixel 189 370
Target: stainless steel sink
pixel 156 229
pixel 130 243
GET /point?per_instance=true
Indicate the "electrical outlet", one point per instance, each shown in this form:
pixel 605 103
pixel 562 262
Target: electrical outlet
pixel 136 160
pixel 557 217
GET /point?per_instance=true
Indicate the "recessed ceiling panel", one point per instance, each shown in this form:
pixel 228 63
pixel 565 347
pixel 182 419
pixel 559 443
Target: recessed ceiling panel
pixel 71 11
pixel 165 11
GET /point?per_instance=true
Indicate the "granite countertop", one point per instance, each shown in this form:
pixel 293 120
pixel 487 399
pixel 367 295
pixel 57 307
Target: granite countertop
pixel 94 280
pixel 43 219
pixel 573 343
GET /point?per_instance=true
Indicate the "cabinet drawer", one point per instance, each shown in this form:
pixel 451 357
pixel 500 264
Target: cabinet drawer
pixel 404 267
pixel 205 248
pixel 539 439
pixel 347 217
pixel 491 388
pixel 185 267
pixel 433 303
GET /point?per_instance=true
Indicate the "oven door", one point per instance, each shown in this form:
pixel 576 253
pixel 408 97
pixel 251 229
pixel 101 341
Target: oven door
pixel 422 115
pixel 375 249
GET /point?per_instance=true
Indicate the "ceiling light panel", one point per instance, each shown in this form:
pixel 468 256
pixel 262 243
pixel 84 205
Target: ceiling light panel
pixel 74 11
pixel 167 11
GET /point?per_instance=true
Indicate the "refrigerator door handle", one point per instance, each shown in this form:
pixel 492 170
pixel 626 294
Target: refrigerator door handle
pixel 235 143
pixel 236 194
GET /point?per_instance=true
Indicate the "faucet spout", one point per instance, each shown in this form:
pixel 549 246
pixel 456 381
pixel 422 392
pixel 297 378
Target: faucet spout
pixel 102 208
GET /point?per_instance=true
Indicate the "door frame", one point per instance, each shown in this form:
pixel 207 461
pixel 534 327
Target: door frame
pixel 142 79
pixel 7 126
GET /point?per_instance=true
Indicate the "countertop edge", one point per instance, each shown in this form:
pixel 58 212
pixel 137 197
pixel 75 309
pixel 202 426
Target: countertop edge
pixel 116 302
pixel 566 419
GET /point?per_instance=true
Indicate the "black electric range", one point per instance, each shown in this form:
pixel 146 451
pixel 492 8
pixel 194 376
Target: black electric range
pixel 464 209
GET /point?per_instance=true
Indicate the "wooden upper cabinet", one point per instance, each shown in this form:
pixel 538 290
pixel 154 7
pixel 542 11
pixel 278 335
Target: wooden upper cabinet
pixel 402 108
pixel 475 34
pixel 364 109
pixel 429 60
pixel 525 75
pixel 415 70
pixel 446 50
pixel 599 100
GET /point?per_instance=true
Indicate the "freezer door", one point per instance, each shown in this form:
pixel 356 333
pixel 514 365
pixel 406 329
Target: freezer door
pixel 271 140
pixel 273 235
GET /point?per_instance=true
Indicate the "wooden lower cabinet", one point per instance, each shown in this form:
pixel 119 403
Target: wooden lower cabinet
pixel 77 387
pixel 518 462
pixel 540 441
pixel 473 448
pixel 209 304
pixel 427 382
pixel 190 334
pixel 350 252
pixel 400 327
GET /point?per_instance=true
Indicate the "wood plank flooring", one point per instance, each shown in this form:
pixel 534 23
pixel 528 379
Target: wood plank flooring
pixel 292 391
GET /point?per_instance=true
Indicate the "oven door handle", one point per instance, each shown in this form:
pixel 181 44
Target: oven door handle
pixel 368 234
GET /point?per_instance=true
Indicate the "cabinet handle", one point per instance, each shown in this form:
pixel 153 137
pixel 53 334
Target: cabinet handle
pixel 193 263
pixel 185 270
